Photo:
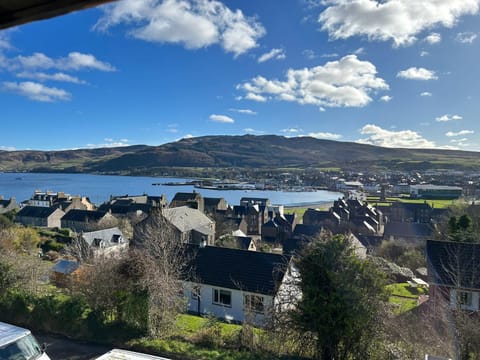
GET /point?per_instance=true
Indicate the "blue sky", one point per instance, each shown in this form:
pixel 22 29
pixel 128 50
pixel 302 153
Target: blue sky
pixel 390 73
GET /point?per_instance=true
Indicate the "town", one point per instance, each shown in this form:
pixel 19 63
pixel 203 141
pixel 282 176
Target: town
pixel 235 262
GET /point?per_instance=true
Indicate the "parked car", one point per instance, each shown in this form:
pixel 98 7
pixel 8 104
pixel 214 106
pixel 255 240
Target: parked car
pixel 17 343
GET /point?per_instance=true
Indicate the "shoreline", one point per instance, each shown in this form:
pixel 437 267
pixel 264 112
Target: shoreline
pixel 324 205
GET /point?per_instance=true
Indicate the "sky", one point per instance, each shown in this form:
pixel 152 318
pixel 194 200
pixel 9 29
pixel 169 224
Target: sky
pixel 392 73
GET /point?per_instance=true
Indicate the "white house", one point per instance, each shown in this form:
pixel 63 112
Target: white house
pixel 106 242
pixel 235 285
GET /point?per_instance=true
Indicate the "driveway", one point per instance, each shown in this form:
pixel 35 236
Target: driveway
pixel 60 348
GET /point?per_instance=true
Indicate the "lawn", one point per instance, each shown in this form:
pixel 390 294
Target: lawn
pixel 437 204
pixel 404 297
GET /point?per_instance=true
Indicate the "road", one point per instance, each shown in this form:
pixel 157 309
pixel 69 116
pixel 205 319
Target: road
pixel 60 348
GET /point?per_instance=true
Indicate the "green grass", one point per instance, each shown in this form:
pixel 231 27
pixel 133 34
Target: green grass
pixel 437 204
pixel 200 338
pixel 404 297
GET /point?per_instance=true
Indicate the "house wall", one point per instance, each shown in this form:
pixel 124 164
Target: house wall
pixel 54 219
pixel 32 221
pixel 475 297
pixel 236 312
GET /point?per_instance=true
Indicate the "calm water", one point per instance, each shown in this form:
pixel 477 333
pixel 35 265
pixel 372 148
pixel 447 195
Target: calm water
pixel 99 188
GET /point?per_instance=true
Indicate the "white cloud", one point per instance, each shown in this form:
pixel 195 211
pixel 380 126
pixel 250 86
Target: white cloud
pixel 415 73
pixel 330 55
pixel 399 21
pixel 221 118
pixel 426 94
pixel 359 51
pixel 393 139
pixel 5 40
pixel 109 143
pixel 459 133
pixel 291 130
pixel 466 37
pixel 386 98
pixel 253 131
pixel 41 76
pixel 433 38
pixel 346 82
pixel 193 23
pixel 244 111
pixel 37 91
pixel 275 54
pixel 325 135
pixel 448 117
pixel 255 97
pixel 424 53
pixel 73 61
pixel 7 148
pixel 309 54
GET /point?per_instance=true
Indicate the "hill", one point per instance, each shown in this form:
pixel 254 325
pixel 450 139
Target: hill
pixel 248 151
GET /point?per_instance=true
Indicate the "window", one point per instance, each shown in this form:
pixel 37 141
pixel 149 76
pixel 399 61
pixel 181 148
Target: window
pixel 254 303
pixel 195 292
pixel 222 297
pixel 464 298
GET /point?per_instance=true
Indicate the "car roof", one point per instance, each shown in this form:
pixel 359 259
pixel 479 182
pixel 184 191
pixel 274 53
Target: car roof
pixel 10 333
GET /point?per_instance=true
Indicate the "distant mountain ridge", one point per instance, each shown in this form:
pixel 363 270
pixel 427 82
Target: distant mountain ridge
pixel 247 151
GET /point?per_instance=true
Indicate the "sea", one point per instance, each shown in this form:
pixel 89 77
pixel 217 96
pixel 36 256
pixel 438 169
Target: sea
pixel 99 188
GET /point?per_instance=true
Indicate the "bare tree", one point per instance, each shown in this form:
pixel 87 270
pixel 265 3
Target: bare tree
pixel 164 260
pixel 79 249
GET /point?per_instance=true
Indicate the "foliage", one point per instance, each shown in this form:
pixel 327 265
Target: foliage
pixel 341 298
pixel 402 254
pixel 26 239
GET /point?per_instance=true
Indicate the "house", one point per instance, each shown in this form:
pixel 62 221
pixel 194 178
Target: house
pixel 235 285
pixel 59 199
pixel 40 216
pixel 190 225
pixel 106 242
pixel 212 205
pixel 245 201
pixel 410 232
pixel 8 205
pixel 133 206
pixel 410 212
pixel 85 220
pixel 62 271
pixel 255 216
pixel 193 200
pixel 454 273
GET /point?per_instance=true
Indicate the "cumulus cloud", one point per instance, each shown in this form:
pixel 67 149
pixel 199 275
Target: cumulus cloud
pixel 193 23
pixel 343 83
pixel 415 73
pixel 309 54
pixel 466 37
pixel 426 94
pixel 37 91
pixel 73 61
pixel 41 76
pixel 274 54
pixel 393 139
pixel 221 118
pixel 244 111
pixel 459 133
pixel 386 98
pixel 325 135
pixel 399 21
pixel 433 38
pixel 448 117
pixel 253 131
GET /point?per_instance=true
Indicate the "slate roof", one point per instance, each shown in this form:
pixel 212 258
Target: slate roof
pixel 302 230
pixel 107 235
pixel 36 211
pixel 185 219
pixel 211 201
pixel 65 267
pixel 251 271
pixel 407 229
pixel 183 196
pixel 83 215
pixel 453 264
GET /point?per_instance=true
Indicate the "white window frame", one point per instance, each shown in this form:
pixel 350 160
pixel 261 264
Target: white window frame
pixel 217 297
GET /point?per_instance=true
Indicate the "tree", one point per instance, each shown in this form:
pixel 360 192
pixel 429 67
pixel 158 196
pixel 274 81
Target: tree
pixel 341 299
pixel 162 264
